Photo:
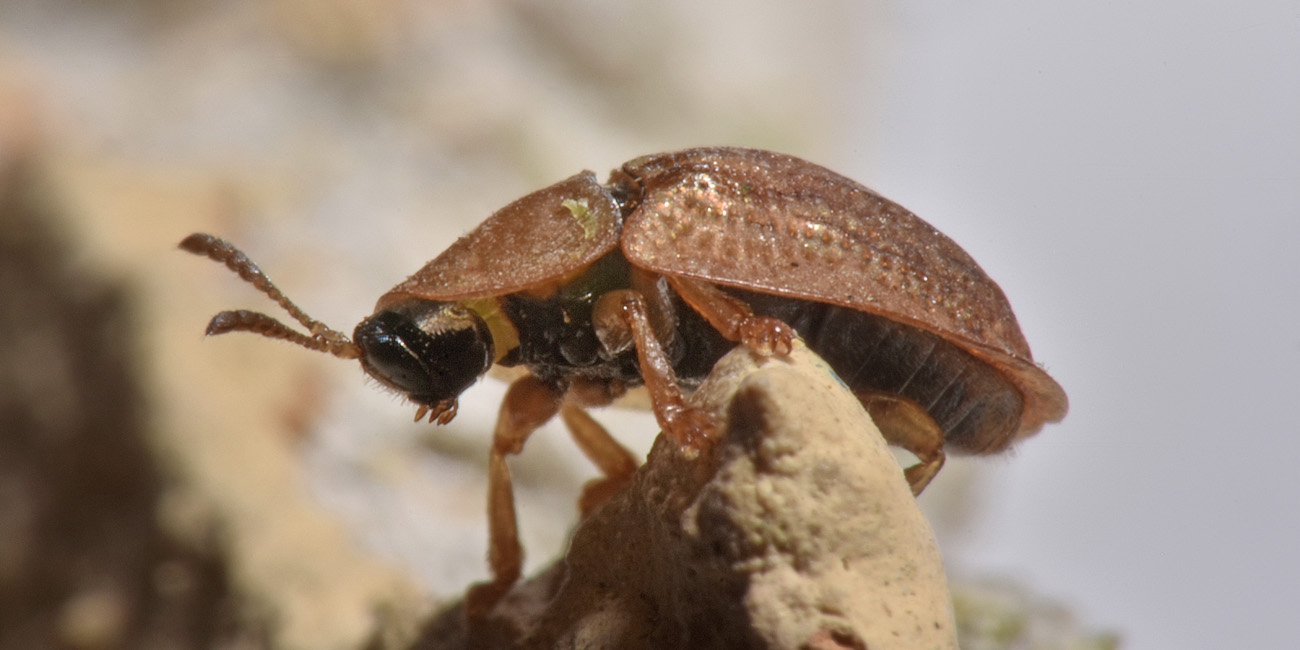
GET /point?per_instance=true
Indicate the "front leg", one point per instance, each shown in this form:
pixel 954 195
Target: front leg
pixel 529 403
pixel 621 319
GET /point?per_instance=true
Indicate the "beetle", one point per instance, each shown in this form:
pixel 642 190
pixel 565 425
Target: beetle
pixel 650 278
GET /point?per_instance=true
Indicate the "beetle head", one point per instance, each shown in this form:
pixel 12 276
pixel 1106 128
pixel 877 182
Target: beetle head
pixel 428 351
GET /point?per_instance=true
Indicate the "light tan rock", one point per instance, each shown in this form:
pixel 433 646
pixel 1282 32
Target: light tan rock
pixel 796 531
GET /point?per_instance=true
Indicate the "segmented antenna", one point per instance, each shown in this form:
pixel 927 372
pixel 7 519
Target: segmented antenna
pixel 322 338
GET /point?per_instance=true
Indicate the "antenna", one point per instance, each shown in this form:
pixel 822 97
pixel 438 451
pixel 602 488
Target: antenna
pixel 322 338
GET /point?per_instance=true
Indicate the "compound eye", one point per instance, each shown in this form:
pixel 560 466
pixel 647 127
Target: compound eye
pixel 386 355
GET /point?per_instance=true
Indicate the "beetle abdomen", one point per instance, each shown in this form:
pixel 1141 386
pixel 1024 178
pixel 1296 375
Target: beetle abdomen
pixel 978 410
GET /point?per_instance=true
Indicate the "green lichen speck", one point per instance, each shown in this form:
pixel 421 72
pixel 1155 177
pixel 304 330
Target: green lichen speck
pixel 581 213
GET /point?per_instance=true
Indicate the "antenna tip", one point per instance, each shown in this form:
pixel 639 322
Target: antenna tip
pixel 199 243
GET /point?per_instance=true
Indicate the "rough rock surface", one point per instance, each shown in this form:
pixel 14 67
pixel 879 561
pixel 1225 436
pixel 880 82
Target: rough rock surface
pixel 796 531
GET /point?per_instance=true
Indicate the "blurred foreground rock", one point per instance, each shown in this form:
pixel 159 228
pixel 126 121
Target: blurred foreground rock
pixel 84 563
pixel 796 531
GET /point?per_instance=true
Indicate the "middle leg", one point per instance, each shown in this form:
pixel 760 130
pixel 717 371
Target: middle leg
pixel 615 462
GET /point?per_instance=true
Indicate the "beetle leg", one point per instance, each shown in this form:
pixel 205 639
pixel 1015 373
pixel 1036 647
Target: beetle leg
pixel 528 404
pixel 734 319
pixel 905 424
pixel 614 460
pixel 659 304
pixel 620 318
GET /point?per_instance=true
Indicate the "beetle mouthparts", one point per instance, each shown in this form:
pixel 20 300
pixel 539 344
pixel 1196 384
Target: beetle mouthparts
pixel 442 413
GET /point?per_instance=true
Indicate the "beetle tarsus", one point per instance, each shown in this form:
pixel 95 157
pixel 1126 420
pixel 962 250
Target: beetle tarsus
pixel 767 336
pixel 483 596
pixel 919 475
pixel 691 429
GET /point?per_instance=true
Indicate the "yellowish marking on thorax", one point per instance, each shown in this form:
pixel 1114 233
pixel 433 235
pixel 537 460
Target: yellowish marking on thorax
pixel 505 337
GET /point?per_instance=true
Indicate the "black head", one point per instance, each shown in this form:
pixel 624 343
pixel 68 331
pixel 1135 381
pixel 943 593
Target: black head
pixel 428 351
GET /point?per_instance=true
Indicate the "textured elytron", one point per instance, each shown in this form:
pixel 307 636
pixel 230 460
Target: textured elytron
pixel 781 225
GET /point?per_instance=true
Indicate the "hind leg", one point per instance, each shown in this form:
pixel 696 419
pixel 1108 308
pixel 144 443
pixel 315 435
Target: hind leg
pixel 905 424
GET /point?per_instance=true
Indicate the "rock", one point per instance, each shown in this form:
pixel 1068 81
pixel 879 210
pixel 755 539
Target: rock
pixel 797 530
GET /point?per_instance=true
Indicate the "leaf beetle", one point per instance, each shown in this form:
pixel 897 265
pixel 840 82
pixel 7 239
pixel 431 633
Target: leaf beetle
pixel 650 278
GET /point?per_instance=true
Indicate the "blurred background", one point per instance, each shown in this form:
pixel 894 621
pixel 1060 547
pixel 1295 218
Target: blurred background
pixel 1126 171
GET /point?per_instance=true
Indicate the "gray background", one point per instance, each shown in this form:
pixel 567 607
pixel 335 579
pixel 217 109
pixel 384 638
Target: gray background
pixel 1128 171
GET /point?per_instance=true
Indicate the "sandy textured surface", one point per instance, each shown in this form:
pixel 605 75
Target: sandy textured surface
pixel 796 531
